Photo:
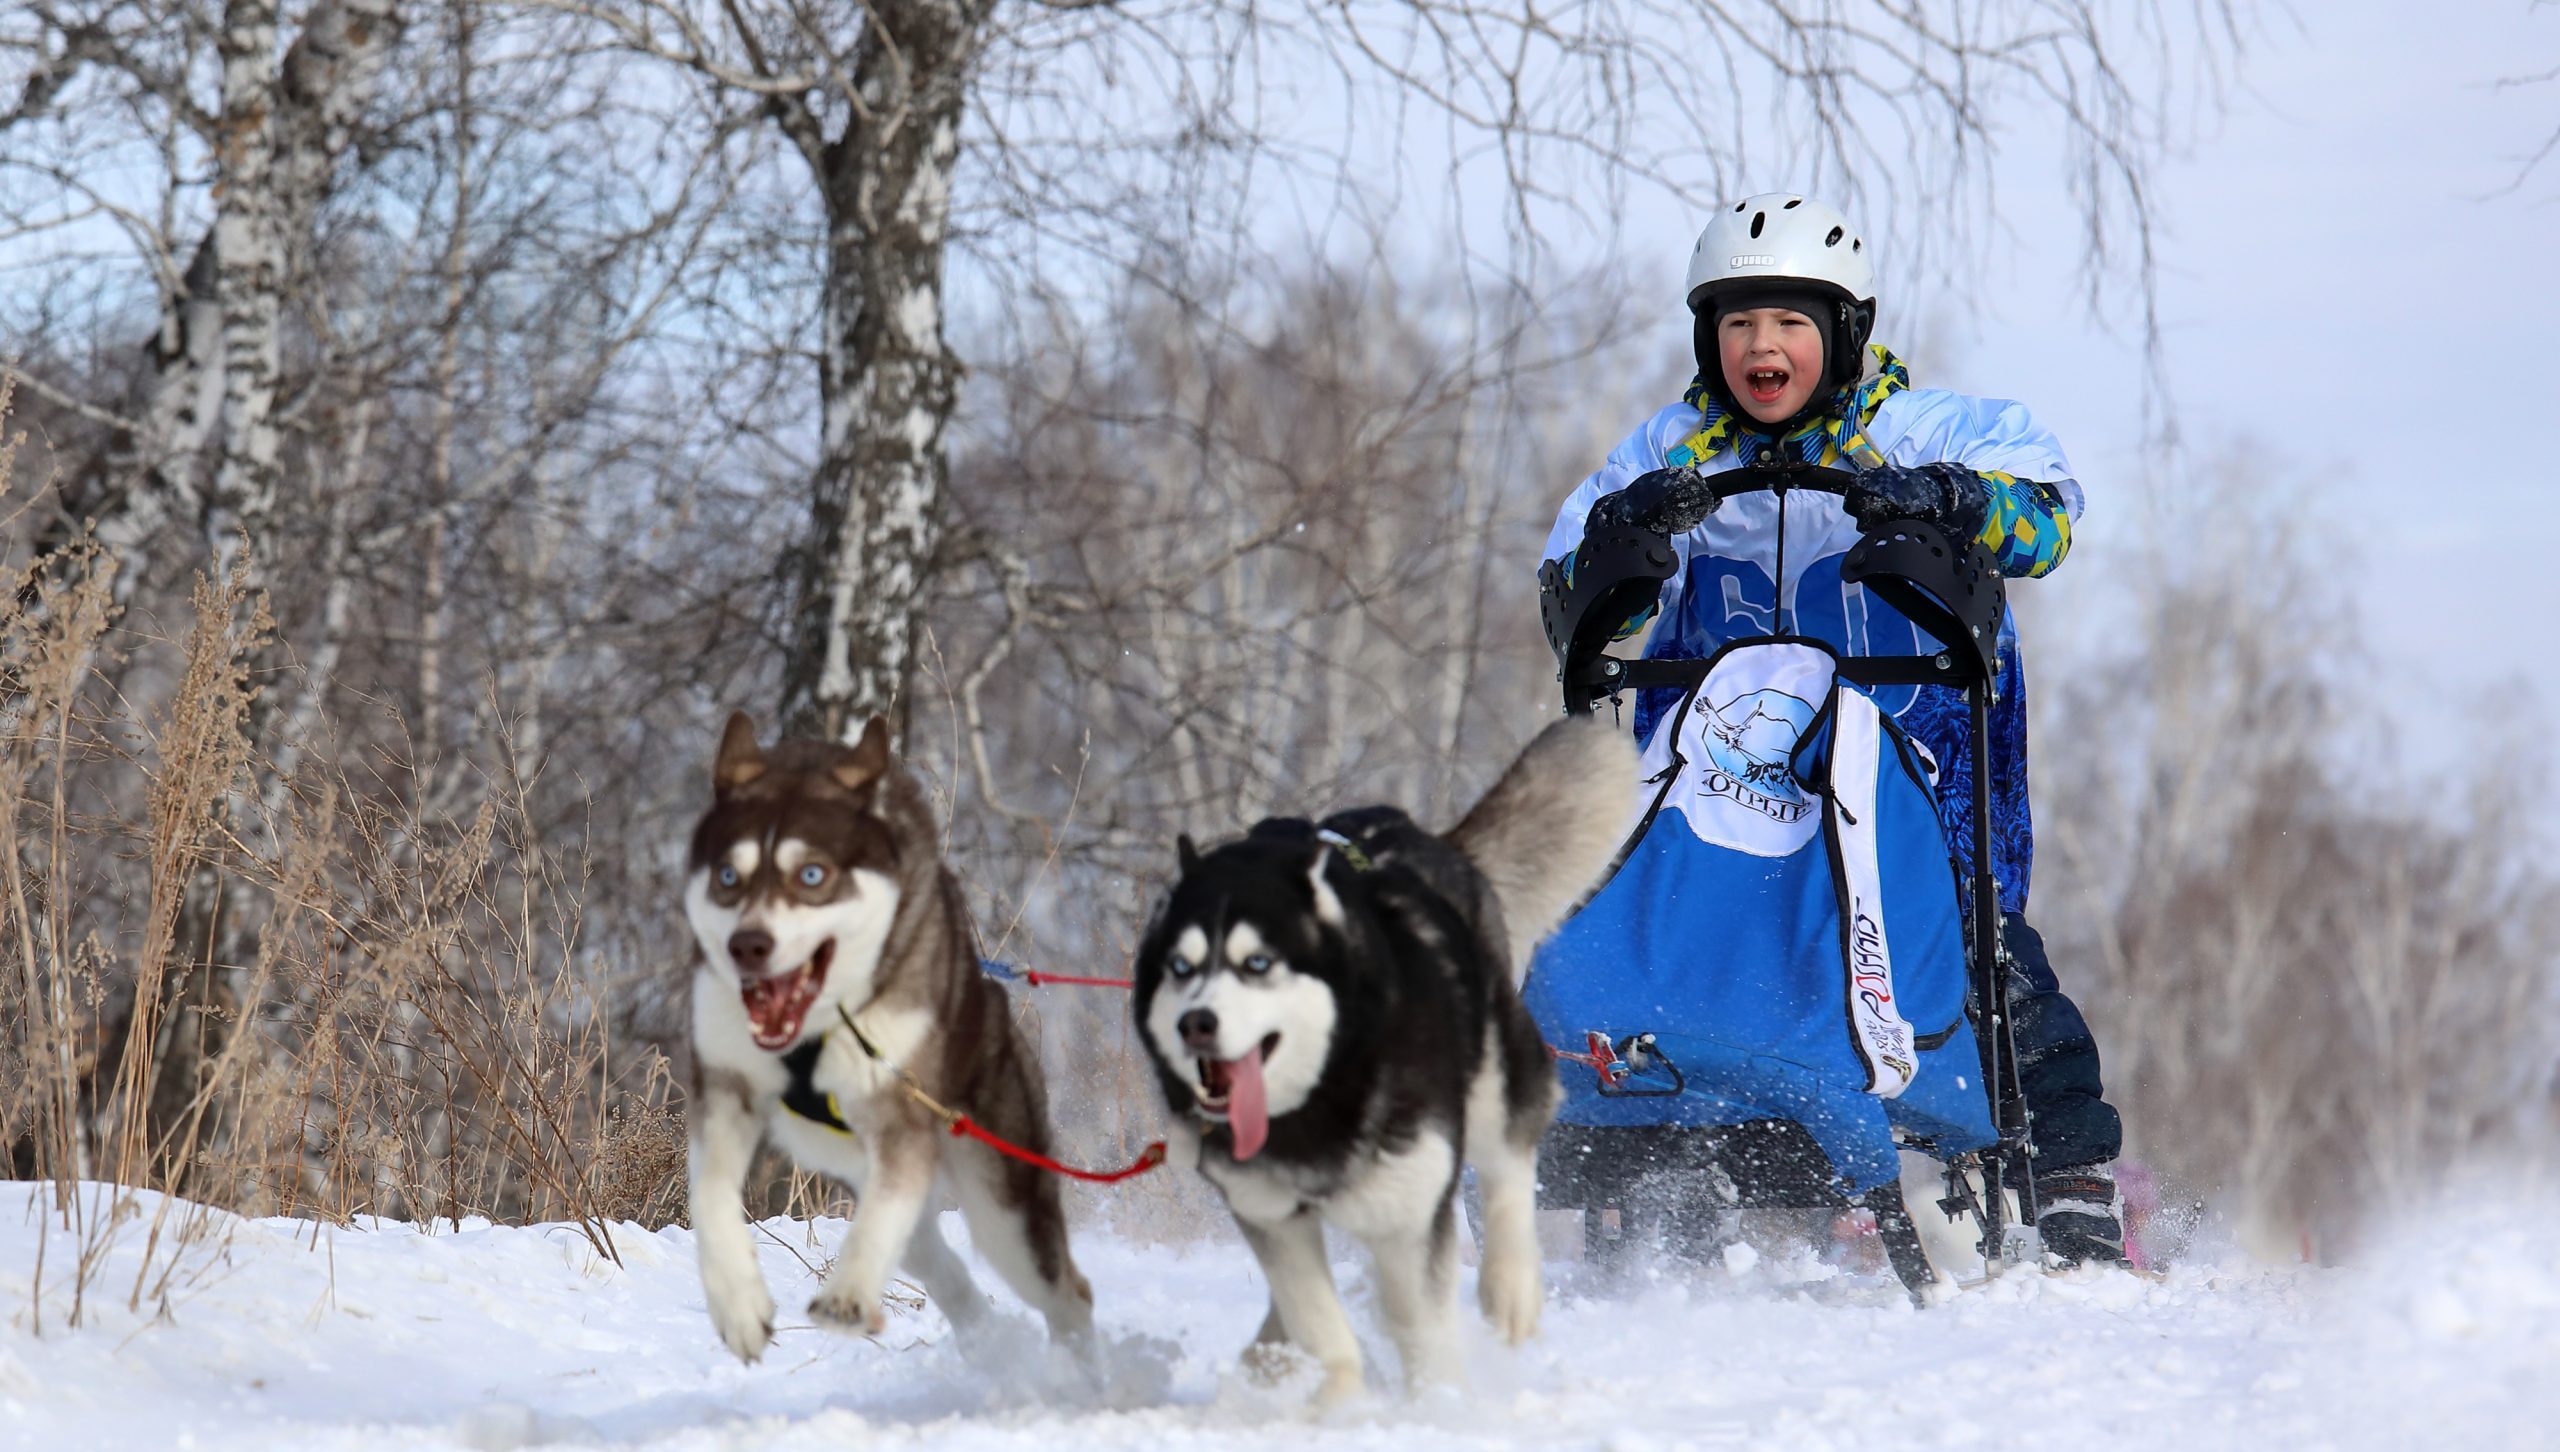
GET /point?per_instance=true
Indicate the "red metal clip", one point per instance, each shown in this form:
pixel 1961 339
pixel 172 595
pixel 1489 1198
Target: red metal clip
pixel 1604 1060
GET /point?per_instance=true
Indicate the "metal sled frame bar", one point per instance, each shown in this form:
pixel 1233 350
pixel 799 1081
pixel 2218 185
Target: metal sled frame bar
pixel 1611 673
pixel 1996 1028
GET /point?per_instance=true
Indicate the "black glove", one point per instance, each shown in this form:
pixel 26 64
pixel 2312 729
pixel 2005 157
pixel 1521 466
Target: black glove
pixel 1670 501
pixel 1950 496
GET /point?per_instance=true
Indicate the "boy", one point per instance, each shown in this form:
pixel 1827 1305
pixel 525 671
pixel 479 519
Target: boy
pixel 1782 288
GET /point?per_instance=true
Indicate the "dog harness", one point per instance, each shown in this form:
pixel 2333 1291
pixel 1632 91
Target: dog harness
pixel 802 1097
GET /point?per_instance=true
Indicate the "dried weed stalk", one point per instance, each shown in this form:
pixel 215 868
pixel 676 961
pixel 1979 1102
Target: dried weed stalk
pixel 414 1024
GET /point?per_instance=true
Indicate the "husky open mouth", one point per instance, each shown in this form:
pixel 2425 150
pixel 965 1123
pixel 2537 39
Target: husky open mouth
pixel 1232 1090
pixel 778 1002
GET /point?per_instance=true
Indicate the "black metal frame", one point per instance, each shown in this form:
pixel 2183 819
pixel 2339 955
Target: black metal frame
pixel 1953 591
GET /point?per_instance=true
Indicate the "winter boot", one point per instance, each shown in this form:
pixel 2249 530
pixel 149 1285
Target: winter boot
pixel 2081 1215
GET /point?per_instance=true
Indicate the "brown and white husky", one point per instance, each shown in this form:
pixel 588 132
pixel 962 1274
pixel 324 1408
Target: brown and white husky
pixel 838 983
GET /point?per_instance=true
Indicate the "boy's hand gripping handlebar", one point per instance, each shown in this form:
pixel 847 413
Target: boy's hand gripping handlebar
pixel 1951 590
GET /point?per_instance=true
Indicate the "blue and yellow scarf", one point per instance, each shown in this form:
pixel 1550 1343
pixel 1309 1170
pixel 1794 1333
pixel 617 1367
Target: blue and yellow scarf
pixel 1839 431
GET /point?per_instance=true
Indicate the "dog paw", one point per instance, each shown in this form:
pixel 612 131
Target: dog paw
pixel 1269 1363
pixel 742 1311
pixel 851 1313
pixel 1511 1297
pixel 1342 1386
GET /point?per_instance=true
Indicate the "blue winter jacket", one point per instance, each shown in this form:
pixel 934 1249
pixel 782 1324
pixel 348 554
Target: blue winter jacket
pixel 1723 590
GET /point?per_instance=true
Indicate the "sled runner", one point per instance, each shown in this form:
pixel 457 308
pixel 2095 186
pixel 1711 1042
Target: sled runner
pixel 1788 979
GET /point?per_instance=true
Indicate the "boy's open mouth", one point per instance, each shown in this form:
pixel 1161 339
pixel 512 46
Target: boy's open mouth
pixel 1765 384
pixel 1231 1089
pixel 777 1003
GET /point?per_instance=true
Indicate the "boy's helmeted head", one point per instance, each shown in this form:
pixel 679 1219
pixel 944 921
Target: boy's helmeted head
pixel 1783 292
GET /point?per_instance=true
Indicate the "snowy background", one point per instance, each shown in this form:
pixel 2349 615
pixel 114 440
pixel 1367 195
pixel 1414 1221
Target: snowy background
pixel 286 1334
pixel 1245 413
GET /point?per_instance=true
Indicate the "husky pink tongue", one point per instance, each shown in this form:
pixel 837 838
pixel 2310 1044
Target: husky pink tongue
pixel 1248 1109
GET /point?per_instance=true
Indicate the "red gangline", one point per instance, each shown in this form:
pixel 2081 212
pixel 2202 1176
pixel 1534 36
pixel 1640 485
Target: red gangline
pixel 1148 1158
pixel 1037 980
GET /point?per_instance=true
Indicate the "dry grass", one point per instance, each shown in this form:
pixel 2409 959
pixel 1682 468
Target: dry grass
pixel 280 994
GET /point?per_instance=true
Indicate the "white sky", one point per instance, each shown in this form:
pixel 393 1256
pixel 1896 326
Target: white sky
pixel 2353 287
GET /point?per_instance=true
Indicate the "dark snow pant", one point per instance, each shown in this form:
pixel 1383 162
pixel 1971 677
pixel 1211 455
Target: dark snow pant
pixel 2057 1061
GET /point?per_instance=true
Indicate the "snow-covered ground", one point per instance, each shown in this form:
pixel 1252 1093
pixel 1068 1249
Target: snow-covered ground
pixel 291 1335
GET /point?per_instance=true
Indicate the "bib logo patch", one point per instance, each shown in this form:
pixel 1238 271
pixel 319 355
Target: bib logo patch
pixel 1735 743
pixel 1748 741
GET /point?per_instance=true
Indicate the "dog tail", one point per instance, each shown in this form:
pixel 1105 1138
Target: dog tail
pixel 1552 826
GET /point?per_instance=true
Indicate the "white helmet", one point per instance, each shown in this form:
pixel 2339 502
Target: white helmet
pixel 1780 234
pixel 1779 248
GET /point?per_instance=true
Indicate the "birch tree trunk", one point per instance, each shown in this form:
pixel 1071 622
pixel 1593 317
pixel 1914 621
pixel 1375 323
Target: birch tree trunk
pixel 887 380
pixel 282 126
pixel 286 117
pixel 447 378
pixel 248 245
pixel 152 476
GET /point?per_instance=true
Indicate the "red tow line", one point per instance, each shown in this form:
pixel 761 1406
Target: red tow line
pixel 1602 1059
pixel 1043 980
pixel 963 1127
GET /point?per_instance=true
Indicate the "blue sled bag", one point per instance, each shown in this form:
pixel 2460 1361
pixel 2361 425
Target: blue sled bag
pixel 1786 928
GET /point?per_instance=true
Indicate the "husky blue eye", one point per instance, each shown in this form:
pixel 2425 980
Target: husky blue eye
pixel 812 875
pixel 1181 967
pixel 727 876
pixel 1258 963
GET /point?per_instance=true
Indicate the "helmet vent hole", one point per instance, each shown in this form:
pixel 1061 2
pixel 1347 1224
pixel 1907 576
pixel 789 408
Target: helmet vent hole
pixel 1855 245
pixel 1794 202
pixel 1758 220
pixel 1834 239
pixel 1738 206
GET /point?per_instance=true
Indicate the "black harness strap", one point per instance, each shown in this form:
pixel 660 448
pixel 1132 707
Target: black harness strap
pixel 801 1095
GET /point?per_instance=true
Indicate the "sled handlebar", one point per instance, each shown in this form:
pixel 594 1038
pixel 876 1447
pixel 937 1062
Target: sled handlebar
pixel 1679 498
pixel 1756 478
pixel 1949 588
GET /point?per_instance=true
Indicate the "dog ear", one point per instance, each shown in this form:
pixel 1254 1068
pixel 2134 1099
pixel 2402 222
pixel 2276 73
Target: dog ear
pixel 1186 852
pixel 870 757
pixel 739 762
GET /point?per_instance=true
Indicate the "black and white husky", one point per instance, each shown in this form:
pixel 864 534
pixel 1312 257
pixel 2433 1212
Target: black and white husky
pixel 839 983
pixel 1334 1013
